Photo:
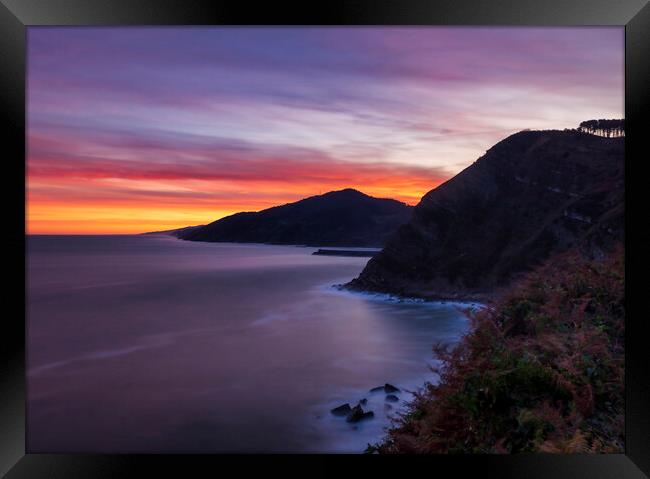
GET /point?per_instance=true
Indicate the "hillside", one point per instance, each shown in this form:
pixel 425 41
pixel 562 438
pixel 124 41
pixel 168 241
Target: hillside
pixel 174 232
pixel 540 371
pixel 532 195
pixel 338 218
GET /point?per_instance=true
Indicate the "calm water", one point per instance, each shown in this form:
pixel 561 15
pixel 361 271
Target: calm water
pixel 152 344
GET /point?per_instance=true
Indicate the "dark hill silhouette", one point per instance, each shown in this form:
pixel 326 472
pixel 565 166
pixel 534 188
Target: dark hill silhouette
pixel 175 232
pixel 531 195
pixel 338 218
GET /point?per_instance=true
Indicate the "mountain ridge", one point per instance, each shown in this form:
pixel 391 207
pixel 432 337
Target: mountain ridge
pixel 344 217
pixel 532 194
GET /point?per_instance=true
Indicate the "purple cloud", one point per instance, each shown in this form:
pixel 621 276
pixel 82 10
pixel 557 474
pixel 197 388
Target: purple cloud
pixel 213 102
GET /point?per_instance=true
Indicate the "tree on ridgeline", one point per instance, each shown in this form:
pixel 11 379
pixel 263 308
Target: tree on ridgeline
pixel 606 128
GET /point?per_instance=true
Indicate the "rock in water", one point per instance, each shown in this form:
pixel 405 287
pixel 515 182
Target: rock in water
pixel 363 402
pixel 355 415
pixel 358 414
pixel 389 388
pixel 392 398
pixel 377 389
pixel 342 410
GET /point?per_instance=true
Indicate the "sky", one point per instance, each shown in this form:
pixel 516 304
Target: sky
pixel 151 128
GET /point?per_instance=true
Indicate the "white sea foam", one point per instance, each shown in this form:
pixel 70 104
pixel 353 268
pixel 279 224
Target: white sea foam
pixel 391 298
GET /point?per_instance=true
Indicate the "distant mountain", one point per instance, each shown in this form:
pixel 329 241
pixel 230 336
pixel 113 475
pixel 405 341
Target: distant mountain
pixel 531 195
pixel 175 232
pixel 338 218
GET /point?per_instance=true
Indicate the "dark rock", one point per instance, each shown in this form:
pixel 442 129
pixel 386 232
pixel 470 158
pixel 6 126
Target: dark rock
pixel 532 195
pixel 363 402
pixel 355 415
pixel 377 389
pixel 342 410
pixel 389 388
pixel 359 414
pixel 392 398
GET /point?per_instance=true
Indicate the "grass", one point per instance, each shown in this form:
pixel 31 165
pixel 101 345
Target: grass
pixel 542 370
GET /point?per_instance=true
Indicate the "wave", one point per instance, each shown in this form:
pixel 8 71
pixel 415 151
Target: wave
pixel 391 298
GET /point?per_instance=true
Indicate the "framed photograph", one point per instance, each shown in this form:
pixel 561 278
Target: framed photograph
pixel 259 236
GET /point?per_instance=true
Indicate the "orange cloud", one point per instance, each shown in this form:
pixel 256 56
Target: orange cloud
pixel 105 197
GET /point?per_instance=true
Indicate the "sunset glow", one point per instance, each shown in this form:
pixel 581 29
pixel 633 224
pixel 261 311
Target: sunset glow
pixel 143 129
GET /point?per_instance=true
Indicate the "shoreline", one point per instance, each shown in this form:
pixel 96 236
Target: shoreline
pixel 482 301
pixel 374 431
pixel 358 253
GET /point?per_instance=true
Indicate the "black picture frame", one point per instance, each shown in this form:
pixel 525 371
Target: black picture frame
pixel 17 15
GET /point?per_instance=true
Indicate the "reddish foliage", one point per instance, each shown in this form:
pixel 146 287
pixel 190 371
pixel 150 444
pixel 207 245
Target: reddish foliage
pixel 541 370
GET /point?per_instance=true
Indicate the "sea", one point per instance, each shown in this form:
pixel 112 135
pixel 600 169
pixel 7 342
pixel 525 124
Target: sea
pixel 151 344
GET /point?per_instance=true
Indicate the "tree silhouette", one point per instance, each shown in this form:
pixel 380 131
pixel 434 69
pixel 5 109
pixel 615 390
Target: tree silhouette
pixel 606 128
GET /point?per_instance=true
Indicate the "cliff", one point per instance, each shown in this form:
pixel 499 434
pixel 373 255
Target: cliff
pixel 532 195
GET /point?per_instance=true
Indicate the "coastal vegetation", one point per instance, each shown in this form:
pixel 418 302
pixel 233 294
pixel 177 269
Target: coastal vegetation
pixel 542 370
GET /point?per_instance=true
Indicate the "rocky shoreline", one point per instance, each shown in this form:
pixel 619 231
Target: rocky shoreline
pixel 341 252
pixel 478 299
